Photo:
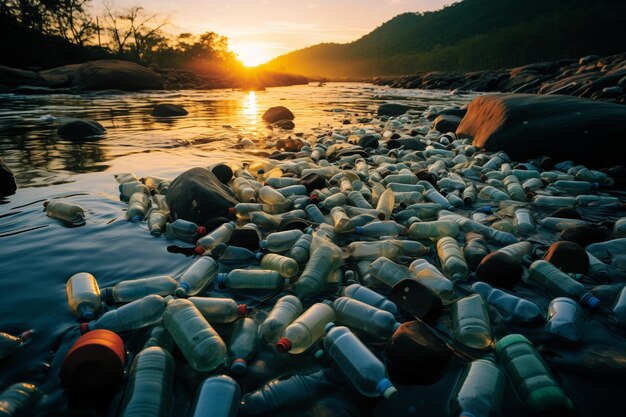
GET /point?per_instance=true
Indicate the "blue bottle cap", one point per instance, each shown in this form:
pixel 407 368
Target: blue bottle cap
pixel 239 367
pixel 88 315
pixel 385 388
pixel 590 300
pixel 136 218
pixel 259 256
pixel 182 290
pixel 221 279
pixel 358 230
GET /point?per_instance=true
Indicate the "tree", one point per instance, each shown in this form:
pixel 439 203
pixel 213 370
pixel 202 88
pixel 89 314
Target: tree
pixel 71 20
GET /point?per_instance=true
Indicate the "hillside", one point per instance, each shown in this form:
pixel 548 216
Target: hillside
pixel 469 35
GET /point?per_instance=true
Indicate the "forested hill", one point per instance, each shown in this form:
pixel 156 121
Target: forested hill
pixel 470 35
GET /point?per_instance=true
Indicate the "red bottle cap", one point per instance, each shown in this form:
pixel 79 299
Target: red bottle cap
pixel 45 203
pixel 201 231
pixel 199 250
pixel 243 310
pixel 283 345
pixel 314 199
pixel 231 212
pixel 95 361
pixel 84 328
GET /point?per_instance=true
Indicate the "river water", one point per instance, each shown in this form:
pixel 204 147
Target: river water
pixel 39 254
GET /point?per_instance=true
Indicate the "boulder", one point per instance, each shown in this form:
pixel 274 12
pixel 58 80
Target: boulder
pixel 28 90
pixel 116 74
pixel 80 129
pixel 13 77
pixel 60 77
pixel 7 180
pixel 278 113
pixel 369 140
pixel 445 123
pixel 528 126
pixel 168 110
pixel 392 109
pixel 285 124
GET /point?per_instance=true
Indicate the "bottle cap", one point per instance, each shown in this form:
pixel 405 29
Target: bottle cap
pixel 136 218
pixel 84 328
pixel 199 250
pixel 239 367
pixel 314 199
pixel 106 293
pixel 221 279
pixel 590 300
pixel 380 215
pixel 87 314
pixel 242 309
pixel 263 244
pixel 358 230
pixel 508 340
pixel 95 361
pixel 259 255
pixel 319 354
pixel 233 224
pixel 201 230
pixel 45 203
pixel 283 345
pixel 182 290
pixel 232 213
pixel 328 327
pixel 386 388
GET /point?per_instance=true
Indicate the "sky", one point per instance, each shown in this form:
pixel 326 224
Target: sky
pixel 259 30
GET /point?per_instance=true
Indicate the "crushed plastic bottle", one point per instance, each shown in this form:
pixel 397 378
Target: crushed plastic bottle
pixel 565 319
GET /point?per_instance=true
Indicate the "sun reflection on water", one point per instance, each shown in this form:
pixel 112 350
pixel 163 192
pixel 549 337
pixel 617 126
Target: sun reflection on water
pixel 250 107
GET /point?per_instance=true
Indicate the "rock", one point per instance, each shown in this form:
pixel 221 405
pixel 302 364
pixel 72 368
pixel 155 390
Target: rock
pixel 7 180
pixel 588 59
pixel 115 74
pixel 285 124
pixel 80 129
pixel 289 144
pixel 29 90
pixel 13 77
pixel 392 109
pixel 275 114
pixel 60 77
pixel 527 126
pixel 446 123
pixel 413 144
pixel 369 141
pixel 168 110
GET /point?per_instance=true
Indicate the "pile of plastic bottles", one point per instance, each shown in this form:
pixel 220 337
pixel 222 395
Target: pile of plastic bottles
pixel 432 211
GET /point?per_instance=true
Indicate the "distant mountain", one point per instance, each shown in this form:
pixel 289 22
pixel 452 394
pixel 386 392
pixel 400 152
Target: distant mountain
pixel 469 35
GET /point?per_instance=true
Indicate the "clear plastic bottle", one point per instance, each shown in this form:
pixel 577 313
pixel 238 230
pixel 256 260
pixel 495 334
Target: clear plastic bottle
pixel 532 185
pixel 452 261
pixel 281 182
pixel 392 249
pixel 325 258
pixel 219 310
pixel 428 275
pixel 491 193
pixel 280 241
pixel 382 228
pixel 242 210
pixel 553 202
pixel 226 253
pixel 437 198
pixel 559 284
pixel 260 279
pixel 518 250
pixel 362 368
pixel 284 265
pixel 341 221
pixel 126 177
pixel 480 390
pixel 511 307
pixel 221 234
pixel 132 316
pixel 131 290
pixel 197 277
pixel 83 295
pixel 184 230
pixel 150 384
pixel 160 337
pixel 475 250
pixel 244 190
pixel 284 312
pixel 243 344
pixel 314 213
pixel 367 296
pixel 469 194
pixel 306 329
pixel 565 319
pixel 137 207
pixel 338 199
pixel 514 188
pixel 127 189
pixel 156 222
pixel 361 316
pixel 386 203
pixel 525 174
pixel 470 322
pixel 65 211
pixel 531 377
pixel 401 179
pixel 19 400
pixel 300 251
pixel 389 272
pixel 501 237
pixel 218 396
pixel 200 344
pixel 575 187
pixel 524 221
pixel 435 229
pixel 160 185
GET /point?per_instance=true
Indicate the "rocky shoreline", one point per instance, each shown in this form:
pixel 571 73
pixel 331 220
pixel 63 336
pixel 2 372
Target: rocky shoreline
pixel 591 77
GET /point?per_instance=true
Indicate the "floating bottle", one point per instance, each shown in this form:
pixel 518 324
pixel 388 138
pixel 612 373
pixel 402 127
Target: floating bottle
pixel 131 290
pixel 127 189
pixel 244 190
pixel 392 249
pixel 200 344
pixel 524 221
pixel 362 368
pixel 284 265
pixel 65 211
pixel 367 296
pixel 226 253
pixel 197 277
pixel 480 390
pixel 435 229
pixel 220 235
pixel 300 251
pixel 306 329
pixel 156 222
pixel 470 322
pixel 452 261
pixel 559 284
pixel 243 344
pixel 361 316
pixel 218 396
pixel 137 207
pixel 325 258
pixel 533 381
pixel 83 295
pixel 565 319
pixel 150 384
pixel 242 210
pixel 261 279
pixel 511 307
pixel 219 310
pixel 132 316
pixel 284 312
pixel 159 185
pixel 378 229
pixel 280 241
pixel 19 400
pixel 184 230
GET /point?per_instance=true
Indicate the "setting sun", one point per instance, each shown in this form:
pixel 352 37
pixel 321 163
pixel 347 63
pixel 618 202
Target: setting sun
pixel 251 54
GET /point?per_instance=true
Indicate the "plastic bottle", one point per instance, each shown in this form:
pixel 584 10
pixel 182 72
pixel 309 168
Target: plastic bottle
pixel 203 348
pixel 127 189
pixel 244 190
pixel 338 199
pixel 227 253
pixel 160 337
pixel 386 203
pixel 242 210
pixel 65 211
pixel 480 390
pixel 518 250
pixel 470 322
pixel 300 251
pixel 220 235
pixel 282 182
pixel 362 368
pixel 565 319
pixel 514 188
pixel 19 400
pixel 401 179
pixel 262 279
pixel 156 222
pixel 378 229
pixel 559 284
pixel 511 307
pixel 618 312
pixel 83 295
pixel 341 222
pixel 280 241
pixel 392 249
pixel 219 310
pixel 428 275
pixel 525 174
pixel 452 261
pixel 469 194
pixel 531 377
pixel 524 221
pixel 560 224
pixel 150 384
pixel 475 250
pixel 388 272
pixel 243 344
pixel 197 277
pixel 160 185
pixel 137 207
pixel 367 296
pixel 8 342
pixel 575 187
pixel 361 316
pixel 325 258
pixel 435 229
pixel 131 290
pixel 314 213
pixel 553 202
pixel 184 230
pixel 218 396
pixel 355 198
pixel 284 265
pixel 437 198
pixel 132 316
pixel 285 311
pixel 306 329
pixel 491 193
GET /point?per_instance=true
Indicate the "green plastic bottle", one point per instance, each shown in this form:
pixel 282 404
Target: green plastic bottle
pixel 262 279
pixel 559 284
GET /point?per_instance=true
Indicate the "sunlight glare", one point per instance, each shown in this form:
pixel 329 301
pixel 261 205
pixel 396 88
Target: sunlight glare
pixel 251 54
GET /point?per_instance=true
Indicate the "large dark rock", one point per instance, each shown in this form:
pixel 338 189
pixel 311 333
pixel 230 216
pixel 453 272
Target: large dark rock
pixel 392 109
pixel 168 110
pixel 278 113
pixel 29 90
pixel 80 129
pixel 13 77
pixel 563 127
pixel 61 77
pixel 7 180
pixel 115 74
pixel 445 123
